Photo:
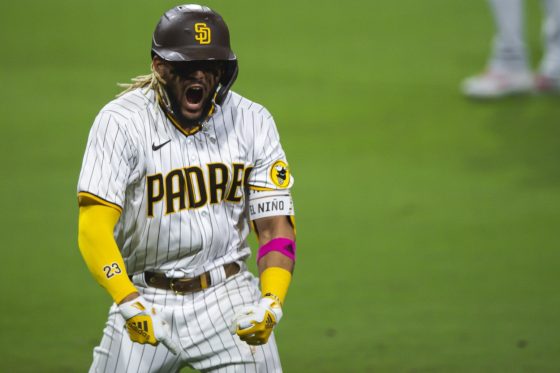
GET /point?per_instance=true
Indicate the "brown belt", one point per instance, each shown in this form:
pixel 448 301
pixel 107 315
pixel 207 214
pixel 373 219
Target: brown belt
pixel 186 285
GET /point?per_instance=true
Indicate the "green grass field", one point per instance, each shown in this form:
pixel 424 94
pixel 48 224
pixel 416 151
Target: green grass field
pixel 427 223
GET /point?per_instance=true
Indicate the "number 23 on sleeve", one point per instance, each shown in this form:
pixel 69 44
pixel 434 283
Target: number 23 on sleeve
pixel 112 270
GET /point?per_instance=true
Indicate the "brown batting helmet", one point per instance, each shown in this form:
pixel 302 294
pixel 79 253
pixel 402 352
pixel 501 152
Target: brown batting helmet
pixel 196 33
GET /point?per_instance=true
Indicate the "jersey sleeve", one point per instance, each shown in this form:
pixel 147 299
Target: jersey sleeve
pixel 108 161
pixel 271 170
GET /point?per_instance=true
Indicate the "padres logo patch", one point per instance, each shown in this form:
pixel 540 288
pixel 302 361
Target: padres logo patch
pixel 280 174
pixel 203 34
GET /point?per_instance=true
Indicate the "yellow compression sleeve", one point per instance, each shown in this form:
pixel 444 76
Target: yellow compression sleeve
pixel 100 251
pixel 276 280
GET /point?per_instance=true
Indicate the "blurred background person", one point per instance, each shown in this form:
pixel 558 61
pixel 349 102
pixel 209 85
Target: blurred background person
pixel 509 70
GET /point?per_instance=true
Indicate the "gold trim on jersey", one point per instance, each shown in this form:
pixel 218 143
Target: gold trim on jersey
pixel 176 123
pixel 83 198
pixel 260 189
pixel 185 132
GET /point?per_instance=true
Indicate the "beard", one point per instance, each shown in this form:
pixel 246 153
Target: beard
pixel 186 118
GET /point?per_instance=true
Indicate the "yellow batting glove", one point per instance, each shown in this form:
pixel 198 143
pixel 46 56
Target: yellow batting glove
pixel 140 329
pixel 253 324
pixel 145 326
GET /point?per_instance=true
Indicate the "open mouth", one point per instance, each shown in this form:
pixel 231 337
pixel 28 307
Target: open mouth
pixel 194 95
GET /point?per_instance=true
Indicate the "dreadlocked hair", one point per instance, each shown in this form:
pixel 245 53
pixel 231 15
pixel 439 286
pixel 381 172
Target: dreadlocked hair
pixel 151 81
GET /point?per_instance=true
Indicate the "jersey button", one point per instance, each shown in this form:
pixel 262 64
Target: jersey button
pixel 204 213
pixel 189 141
pixel 193 158
pixel 213 140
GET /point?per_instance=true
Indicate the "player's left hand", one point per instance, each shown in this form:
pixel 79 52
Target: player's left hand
pixel 253 324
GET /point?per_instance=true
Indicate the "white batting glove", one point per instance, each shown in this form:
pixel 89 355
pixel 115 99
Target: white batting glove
pixel 253 324
pixel 145 326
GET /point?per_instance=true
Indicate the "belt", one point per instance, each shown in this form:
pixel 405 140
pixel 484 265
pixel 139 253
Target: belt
pixel 186 285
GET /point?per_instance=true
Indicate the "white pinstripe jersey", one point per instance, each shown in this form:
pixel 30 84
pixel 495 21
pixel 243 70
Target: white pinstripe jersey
pixel 182 197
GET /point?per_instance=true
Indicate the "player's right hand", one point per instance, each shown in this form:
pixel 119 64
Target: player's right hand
pixel 145 326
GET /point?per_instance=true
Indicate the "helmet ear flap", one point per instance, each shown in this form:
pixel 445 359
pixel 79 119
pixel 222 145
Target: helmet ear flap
pixel 230 74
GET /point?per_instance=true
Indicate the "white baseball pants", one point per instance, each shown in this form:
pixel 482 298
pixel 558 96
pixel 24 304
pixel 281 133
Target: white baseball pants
pixel 199 322
pixel 509 47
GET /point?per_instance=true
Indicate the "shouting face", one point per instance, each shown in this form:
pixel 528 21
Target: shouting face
pixel 190 87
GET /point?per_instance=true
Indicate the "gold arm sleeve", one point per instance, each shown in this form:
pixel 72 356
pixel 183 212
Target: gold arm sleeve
pixel 100 251
pixel 275 280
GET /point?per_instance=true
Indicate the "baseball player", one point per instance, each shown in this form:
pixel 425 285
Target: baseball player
pixel 509 70
pixel 176 171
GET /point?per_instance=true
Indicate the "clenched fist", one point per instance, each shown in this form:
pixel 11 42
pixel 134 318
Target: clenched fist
pixel 253 324
pixel 145 326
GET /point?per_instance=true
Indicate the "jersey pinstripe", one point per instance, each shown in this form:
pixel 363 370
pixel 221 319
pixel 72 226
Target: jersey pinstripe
pixel 183 198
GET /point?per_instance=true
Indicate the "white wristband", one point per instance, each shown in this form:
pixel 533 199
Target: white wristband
pixel 133 307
